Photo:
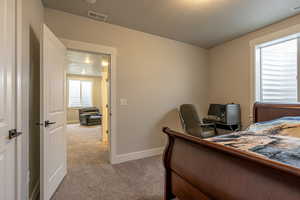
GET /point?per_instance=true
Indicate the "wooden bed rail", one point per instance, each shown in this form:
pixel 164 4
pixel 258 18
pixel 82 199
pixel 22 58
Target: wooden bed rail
pixel 197 169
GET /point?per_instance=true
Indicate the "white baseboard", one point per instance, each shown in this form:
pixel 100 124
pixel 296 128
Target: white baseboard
pixel 137 155
pixel 35 193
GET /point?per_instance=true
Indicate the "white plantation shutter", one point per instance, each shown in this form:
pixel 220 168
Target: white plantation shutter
pixel 86 93
pixel 80 93
pixel 74 93
pixel 278 73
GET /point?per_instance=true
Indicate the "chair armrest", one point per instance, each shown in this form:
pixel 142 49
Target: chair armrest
pixel 85 115
pixel 211 125
pixel 206 124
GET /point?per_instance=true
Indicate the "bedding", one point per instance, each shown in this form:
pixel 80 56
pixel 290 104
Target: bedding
pixel 277 140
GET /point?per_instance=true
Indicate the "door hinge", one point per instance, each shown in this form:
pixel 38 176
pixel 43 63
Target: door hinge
pixel 13 133
pixel 107 131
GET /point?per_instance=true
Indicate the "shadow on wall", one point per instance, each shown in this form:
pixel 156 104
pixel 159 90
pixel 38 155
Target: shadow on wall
pixel 172 120
pixel 34 111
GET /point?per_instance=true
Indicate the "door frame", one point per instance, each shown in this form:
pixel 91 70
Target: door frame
pixel 22 113
pixel 22 110
pixel 112 52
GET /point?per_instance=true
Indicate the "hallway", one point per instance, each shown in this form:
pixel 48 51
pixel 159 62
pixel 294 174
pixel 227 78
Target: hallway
pixel 91 177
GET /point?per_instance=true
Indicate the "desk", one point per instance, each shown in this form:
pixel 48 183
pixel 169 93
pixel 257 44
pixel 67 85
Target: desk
pixel 223 128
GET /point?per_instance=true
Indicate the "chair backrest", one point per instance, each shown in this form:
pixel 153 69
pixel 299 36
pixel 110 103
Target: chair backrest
pixel 189 116
pixel 88 109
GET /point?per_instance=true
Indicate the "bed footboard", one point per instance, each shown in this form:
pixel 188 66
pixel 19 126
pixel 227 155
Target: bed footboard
pixel 200 170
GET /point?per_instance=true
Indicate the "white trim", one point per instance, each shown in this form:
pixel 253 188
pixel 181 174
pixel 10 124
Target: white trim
pixel 83 46
pixel 292 31
pixel 21 107
pixel 138 155
pixel 36 191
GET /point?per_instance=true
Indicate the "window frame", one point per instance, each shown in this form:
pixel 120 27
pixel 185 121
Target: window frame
pixel 80 80
pixel 258 66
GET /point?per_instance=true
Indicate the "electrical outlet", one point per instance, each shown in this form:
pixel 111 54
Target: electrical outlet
pixel 123 102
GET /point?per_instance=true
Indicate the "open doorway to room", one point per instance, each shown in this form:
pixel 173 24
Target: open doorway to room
pixel 87 100
pixel 72 156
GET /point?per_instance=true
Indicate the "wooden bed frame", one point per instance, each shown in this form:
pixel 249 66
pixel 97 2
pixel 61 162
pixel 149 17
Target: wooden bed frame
pixel 201 170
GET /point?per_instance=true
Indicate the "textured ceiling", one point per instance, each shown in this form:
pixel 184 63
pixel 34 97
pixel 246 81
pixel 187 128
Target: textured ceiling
pixel 88 64
pixel 205 23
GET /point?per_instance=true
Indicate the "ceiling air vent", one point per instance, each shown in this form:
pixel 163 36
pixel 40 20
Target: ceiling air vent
pixel 97 16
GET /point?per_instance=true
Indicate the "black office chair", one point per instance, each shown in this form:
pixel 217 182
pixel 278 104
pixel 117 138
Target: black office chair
pixel 192 124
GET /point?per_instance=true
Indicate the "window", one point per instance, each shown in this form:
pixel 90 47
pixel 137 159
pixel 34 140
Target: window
pixel 277 72
pixel 80 93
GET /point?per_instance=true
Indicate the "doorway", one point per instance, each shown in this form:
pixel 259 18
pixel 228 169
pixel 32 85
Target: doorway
pixel 87 101
pixel 55 163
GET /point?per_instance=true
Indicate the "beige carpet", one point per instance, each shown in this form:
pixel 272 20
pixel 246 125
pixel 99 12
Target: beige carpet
pixel 90 177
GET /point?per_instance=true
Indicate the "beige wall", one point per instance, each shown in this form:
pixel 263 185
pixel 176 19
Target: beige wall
pixel 229 68
pixel 32 19
pixel 72 113
pixel 155 74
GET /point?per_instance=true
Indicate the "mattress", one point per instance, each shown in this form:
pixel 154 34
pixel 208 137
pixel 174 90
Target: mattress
pixel 277 140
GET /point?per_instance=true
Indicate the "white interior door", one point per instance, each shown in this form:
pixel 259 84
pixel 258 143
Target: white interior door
pixel 53 138
pixel 7 100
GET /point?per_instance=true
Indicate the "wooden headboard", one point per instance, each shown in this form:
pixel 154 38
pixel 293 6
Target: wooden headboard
pixel 266 111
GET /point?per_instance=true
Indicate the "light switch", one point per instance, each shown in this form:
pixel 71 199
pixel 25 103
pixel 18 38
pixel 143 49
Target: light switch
pixel 123 102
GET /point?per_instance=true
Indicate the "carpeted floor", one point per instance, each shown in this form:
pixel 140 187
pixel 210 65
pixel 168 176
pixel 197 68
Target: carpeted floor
pixel 90 177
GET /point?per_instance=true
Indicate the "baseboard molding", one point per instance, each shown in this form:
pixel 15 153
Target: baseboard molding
pixel 137 155
pixel 35 193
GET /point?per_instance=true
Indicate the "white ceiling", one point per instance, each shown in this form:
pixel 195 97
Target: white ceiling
pixel 205 23
pixel 88 64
